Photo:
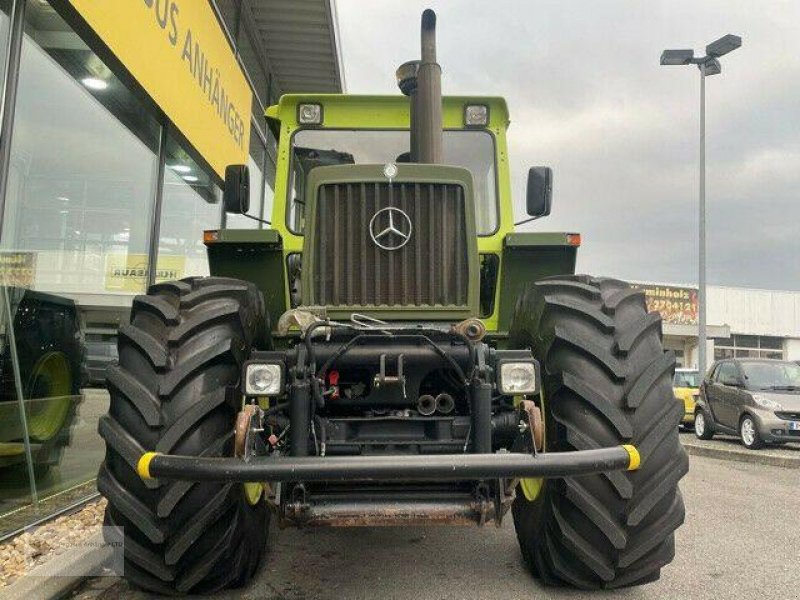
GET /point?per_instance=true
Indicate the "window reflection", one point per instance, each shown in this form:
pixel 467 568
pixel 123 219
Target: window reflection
pixel 74 245
pixel 255 163
pixel 81 182
pixel 5 11
pixel 191 202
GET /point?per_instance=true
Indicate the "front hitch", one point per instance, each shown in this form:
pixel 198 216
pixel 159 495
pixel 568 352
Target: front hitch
pixel 450 467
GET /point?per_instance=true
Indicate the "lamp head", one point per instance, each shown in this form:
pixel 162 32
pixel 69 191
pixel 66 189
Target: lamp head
pixel 710 67
pixel 725 44
pixel 677 57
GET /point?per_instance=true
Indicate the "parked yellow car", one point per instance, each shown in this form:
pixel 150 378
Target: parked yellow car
pixel 685 386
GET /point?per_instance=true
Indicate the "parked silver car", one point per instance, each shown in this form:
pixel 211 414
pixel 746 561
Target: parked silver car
pixel 756 399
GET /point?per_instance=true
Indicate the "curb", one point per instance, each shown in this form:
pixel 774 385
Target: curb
pixel 49 582
pixel 746 456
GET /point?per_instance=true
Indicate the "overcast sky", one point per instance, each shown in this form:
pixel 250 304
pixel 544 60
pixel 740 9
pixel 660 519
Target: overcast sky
pixel 587 96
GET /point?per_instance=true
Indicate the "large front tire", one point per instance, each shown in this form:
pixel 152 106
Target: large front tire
pixel 174 391
pixel 607 381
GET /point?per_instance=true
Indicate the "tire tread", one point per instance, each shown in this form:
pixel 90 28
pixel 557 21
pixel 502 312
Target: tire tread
pixel 180 356
pixel 607 380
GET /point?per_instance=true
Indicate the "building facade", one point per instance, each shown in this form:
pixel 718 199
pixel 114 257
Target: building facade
pixel 118 119
pixel 763 323
pixel 741 322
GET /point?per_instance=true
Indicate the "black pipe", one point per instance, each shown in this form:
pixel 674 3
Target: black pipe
pixel 426 405
pixel 428 113
pixel 505 429
pixel 388 468
pixel 452 356
pixel 481 411
pixel 445 403
pixel 299 417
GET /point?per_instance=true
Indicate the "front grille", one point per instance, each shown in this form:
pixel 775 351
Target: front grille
pixel 788 416
pixel 351 270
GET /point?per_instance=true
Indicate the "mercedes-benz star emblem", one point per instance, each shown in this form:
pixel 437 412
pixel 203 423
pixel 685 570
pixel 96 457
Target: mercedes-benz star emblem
pixel 390 228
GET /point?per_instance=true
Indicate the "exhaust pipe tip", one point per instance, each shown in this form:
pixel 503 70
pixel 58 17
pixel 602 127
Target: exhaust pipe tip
pixel 426 405
pixel 428 19
pixel 445 403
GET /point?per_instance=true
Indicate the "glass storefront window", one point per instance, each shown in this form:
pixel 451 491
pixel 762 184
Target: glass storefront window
pixel 269 188
pixel 191 202
pixel 82 210
pixel 255 163
pixel 80 195
pixel 749 346
pixel 5 25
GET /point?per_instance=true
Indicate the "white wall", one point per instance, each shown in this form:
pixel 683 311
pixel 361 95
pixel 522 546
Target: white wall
pixel 791 349
pixel 755 312
pixel 692 357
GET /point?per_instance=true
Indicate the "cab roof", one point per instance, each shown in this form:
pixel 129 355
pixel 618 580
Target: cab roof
pixel 380 112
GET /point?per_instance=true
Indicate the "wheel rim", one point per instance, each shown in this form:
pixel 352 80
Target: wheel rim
pixel 252 492
pixel 699 424
pixel 748 432
pixel 51 385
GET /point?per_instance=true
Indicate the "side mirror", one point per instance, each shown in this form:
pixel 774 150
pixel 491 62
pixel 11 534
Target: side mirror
pixel 236 196
pixel 540 191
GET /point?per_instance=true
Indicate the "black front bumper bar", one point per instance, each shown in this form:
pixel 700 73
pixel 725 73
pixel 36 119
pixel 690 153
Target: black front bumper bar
pixel 387 468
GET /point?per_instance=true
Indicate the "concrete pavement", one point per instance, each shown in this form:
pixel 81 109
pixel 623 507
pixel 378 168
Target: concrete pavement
pixel 728 447
pixel 741 540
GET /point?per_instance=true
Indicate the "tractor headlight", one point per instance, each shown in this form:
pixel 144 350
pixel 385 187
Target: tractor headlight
pixel 262 379
pixel 309 114
pixel 476 115
pixel 517 377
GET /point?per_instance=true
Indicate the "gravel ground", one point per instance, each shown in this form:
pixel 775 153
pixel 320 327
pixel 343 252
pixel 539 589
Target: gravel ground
pixel 740 541
pixel 36 546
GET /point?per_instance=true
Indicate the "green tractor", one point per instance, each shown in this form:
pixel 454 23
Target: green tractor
pixel 41 357
pixel 388 351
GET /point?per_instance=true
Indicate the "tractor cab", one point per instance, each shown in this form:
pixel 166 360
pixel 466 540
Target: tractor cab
pixel 363 228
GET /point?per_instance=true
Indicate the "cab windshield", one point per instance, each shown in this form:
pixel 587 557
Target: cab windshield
pixel 772 375
pixel 686 379
pixel 473 150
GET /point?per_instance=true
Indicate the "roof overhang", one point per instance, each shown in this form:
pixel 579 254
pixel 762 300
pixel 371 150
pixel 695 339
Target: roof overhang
pixel 693 331
pixel 301 42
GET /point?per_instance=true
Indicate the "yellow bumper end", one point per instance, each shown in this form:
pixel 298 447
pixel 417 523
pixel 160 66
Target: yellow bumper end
pixel 635 459
pixel 143 466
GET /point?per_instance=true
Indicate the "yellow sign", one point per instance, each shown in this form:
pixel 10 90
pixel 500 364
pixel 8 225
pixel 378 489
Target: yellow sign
pixel 677 305
pixel 128 272
pixel 177 52
pixel 17 269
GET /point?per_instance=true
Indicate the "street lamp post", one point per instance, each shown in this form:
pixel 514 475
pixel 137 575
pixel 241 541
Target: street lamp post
pixel 708 65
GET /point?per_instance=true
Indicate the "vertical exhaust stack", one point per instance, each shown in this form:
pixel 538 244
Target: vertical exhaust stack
pixel 421 81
